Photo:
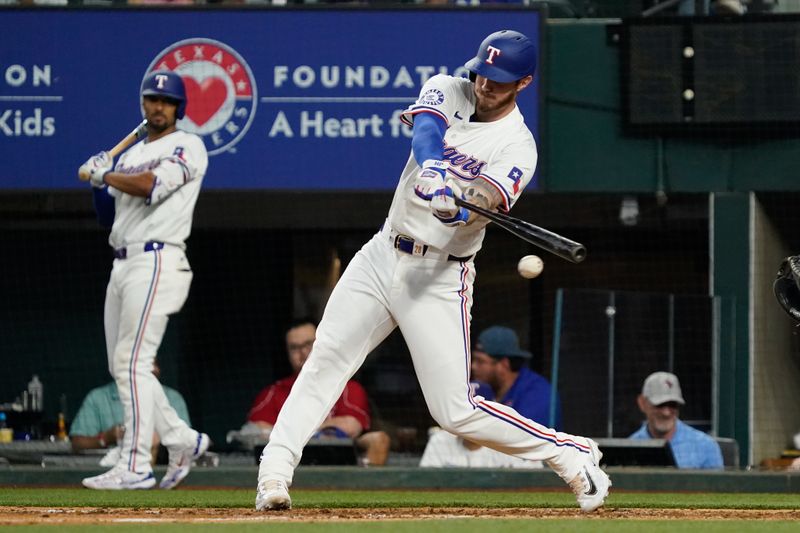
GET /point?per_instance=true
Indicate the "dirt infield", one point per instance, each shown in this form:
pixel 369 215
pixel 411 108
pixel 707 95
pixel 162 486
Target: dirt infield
pixel 101 515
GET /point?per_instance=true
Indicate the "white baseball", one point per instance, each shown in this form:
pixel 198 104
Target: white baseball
pixel 530 266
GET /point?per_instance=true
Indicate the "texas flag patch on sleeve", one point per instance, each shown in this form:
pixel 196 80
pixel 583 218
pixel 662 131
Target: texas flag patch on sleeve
pixel 515 175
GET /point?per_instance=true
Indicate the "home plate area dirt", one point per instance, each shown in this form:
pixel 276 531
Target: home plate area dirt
pixel 105 515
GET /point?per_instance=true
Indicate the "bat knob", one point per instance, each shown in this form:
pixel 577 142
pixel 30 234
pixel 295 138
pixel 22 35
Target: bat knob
pixel 83 173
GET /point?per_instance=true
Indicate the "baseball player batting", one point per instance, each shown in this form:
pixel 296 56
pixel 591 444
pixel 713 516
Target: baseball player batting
pixel 417 273
pixel 148 200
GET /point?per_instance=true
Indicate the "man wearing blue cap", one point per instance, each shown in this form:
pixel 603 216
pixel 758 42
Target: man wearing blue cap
pixel 500 373
pixel 498 360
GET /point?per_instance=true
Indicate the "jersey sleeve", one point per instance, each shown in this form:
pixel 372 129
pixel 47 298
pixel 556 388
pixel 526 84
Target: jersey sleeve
pixel 121 163
pixel 187 162
pixel 510 171
pixel 353 402
pixel 439 97
pixel 266 407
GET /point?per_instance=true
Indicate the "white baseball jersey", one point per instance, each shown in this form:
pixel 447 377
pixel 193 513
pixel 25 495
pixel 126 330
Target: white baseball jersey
pixel 428 296
pixel 179 161
pixel 502 153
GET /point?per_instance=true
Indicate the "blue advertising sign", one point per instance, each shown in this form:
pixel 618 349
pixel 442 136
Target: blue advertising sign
pixel 284 99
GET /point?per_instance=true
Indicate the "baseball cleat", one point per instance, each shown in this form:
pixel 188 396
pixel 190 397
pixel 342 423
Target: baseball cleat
pixel 120 478
pixel 591 484
pixel 180 461
pixel 272 494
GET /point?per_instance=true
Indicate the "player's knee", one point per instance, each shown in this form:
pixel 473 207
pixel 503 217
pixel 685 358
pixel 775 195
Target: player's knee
pixel 453 423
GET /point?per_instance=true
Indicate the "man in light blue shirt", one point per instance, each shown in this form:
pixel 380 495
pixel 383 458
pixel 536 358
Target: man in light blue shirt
pixel 99 421
pixel 660 402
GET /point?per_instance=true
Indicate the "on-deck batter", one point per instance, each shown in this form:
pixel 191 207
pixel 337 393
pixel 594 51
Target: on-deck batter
pixel 150 197
pixel 417 273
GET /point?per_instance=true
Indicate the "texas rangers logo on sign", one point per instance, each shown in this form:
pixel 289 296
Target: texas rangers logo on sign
pixel 220 90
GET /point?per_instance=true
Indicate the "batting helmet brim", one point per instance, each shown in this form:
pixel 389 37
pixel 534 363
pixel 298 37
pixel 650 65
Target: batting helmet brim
pixel 489 72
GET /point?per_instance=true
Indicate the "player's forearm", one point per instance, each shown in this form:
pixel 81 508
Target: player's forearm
pixel 80 443
pixel 468 444
pixel 482 196
pixel 348 424
pixel 92 442
pixel 140 184
pixel 428 140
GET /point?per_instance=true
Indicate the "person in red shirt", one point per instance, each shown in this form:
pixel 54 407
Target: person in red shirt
pixel 350 415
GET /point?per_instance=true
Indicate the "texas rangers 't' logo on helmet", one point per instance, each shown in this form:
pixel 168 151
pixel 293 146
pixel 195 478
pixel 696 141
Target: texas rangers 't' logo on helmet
pixel 220 90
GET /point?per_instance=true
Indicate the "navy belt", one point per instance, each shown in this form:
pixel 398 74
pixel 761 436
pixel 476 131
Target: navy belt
pixel 408 245
pixel 149 246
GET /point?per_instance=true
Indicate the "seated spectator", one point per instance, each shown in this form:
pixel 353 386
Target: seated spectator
pixel 500 367
pixel 660 401
pixel 99 422
pixel 349 418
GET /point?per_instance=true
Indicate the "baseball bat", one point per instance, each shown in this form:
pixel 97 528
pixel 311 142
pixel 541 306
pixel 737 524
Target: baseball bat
pixel 137 133
pixel 554 243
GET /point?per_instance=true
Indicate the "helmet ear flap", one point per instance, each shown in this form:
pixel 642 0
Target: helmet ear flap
pixel 786 288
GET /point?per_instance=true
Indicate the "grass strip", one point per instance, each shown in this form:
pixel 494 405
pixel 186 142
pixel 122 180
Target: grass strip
pixel 241 498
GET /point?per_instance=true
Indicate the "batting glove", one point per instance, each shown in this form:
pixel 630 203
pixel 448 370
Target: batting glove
pixel 97 166
pixel 430 179
pixel 444 206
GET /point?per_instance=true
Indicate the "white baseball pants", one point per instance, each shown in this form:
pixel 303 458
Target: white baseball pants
pixel 430 299
pixel 144 289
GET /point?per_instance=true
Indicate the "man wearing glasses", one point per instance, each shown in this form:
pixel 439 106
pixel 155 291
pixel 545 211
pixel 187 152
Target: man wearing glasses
pixel 350 415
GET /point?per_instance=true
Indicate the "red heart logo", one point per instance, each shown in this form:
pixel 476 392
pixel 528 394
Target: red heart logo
pixel 204 99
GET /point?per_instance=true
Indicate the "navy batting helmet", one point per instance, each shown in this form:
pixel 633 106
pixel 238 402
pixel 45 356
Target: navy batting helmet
pixel 504 56
pixel 166 83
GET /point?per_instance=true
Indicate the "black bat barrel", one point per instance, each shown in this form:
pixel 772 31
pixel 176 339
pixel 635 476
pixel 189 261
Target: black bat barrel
pixel 554 243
